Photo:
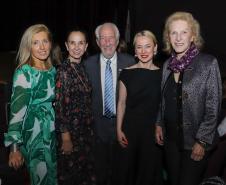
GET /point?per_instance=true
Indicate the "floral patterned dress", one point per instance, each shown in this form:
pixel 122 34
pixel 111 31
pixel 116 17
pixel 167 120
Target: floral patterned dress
pixel 73 114
pixel 32 122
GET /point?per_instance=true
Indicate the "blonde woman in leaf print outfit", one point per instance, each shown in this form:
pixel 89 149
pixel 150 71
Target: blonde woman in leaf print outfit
pixel 31 127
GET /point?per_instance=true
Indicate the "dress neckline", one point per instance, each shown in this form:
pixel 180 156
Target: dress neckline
pixel 140 68
pixel 40 70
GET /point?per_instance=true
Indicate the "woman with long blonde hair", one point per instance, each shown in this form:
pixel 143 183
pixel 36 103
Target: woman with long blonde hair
pixel 31 135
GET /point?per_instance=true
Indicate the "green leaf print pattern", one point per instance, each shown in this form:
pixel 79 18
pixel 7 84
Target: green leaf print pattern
pixel 32 122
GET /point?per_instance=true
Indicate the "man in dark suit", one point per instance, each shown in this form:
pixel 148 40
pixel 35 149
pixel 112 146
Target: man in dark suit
pixel 104 110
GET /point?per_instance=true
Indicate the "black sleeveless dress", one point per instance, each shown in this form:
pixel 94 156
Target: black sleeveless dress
pixel 140 162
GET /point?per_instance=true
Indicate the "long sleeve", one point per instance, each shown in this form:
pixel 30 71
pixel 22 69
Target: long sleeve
pixel 63 103
pixel 20 98
pixel 212 105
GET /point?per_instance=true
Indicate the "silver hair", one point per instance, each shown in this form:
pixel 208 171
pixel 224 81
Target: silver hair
pixel 97 31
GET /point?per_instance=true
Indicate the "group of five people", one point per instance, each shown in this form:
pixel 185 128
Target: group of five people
pixel 104 120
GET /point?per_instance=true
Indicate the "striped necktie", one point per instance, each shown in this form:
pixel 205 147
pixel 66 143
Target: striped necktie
pixel 108 91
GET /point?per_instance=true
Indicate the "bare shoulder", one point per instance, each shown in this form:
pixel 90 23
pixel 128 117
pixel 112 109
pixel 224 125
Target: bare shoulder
pixel 155 67
pixel 132 67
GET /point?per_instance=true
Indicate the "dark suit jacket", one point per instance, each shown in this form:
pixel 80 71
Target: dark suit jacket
pixel 105 128
pixel 201 99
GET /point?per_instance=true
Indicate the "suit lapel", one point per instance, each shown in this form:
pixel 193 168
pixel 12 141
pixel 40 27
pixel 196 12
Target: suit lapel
pixel 119 69
pixel 98 82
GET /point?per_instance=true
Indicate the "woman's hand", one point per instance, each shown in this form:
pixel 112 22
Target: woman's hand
pixel 122 139
pixel 198 152
pixel 16 159
pixel 159 135
pixel 67 147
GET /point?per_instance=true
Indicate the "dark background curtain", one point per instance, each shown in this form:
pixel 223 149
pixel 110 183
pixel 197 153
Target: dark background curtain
pixel 149 14
pixel 60 16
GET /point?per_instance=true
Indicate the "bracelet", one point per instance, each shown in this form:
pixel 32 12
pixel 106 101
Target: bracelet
pixel 202 143
pixel 14 147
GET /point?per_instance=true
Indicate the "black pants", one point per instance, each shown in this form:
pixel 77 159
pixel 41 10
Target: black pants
pixel 105 162
pixel 181 169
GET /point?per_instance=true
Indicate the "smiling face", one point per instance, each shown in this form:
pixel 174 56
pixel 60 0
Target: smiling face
pixel 76 46
pixel 107 41
pixel 180 36
pixel 40 46
pixel 145 48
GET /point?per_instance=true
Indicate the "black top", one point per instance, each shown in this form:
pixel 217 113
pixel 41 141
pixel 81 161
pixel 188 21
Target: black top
pixel 171 109
pixel 143 91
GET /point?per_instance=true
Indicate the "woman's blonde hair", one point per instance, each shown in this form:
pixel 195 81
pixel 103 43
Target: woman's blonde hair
pixel 24 52
pixel 192 22
pixel 147 34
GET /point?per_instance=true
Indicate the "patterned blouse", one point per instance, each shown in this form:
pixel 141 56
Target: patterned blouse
pixel 73 96
pixel 73 115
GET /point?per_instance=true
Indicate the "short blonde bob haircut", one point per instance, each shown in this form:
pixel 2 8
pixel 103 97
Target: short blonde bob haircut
pixel 145 33
pixel 192 22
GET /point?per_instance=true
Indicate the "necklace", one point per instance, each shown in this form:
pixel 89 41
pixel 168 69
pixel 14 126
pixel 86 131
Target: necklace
pixel 79 77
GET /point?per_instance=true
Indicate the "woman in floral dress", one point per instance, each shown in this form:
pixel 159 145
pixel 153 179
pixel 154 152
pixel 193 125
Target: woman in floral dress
pixel 73 116
pixel 31 128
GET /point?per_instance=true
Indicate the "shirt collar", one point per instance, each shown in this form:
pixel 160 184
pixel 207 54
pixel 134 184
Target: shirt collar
pixel 113 59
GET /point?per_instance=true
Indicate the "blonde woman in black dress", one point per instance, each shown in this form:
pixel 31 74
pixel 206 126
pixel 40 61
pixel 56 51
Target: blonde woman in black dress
pixel 139 97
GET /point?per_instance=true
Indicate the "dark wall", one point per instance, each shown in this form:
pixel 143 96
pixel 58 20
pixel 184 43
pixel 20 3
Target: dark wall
pixel 60 16
pixel 149 14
